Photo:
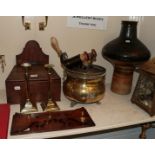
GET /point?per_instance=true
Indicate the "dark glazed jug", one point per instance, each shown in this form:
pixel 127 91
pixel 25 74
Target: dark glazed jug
pixel 125 53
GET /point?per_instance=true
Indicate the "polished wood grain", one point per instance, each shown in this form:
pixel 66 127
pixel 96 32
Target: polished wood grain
pixel 33 54
pixel 50 121
pixel 38 77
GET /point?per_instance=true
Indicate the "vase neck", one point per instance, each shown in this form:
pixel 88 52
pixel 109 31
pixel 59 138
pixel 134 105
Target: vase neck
pixel 128 31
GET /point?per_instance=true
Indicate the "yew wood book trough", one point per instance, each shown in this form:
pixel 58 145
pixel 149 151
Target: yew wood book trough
pixel 50 121
pixel 39 80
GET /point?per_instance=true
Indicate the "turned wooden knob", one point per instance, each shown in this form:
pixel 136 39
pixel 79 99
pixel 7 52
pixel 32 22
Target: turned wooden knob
pixel 55 45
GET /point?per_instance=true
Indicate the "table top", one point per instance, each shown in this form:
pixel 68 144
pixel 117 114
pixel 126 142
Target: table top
pixel 114 111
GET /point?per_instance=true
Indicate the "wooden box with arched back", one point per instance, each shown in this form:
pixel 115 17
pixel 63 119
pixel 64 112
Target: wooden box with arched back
pixel 33 54
pixel 38 77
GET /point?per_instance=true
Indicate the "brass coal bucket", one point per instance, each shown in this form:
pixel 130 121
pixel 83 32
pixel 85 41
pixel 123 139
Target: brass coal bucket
pixel 84 85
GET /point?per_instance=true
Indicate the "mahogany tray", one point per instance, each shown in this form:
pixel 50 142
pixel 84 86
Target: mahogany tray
pixel 50 121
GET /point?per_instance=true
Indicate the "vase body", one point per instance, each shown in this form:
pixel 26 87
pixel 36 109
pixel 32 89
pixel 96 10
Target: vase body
pixel 125 53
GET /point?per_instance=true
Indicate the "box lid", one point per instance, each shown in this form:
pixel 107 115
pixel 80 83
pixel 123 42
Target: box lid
pixel 36 72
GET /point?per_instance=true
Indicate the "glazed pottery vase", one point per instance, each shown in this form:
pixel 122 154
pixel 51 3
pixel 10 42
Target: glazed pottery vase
pixel 125 53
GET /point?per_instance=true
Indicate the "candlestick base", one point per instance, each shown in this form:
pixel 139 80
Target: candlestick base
pixel 50 106
pixel 28 108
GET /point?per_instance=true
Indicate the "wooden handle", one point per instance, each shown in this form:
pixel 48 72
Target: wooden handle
pixel 55 45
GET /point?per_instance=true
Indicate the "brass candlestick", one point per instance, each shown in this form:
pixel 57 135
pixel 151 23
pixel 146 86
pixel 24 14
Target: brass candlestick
pixel 51 105
pixel 28 106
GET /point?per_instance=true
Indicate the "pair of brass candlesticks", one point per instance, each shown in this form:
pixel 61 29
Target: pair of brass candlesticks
pixel 29 107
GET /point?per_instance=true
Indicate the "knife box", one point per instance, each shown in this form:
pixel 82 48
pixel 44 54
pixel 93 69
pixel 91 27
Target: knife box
pixel 40 83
